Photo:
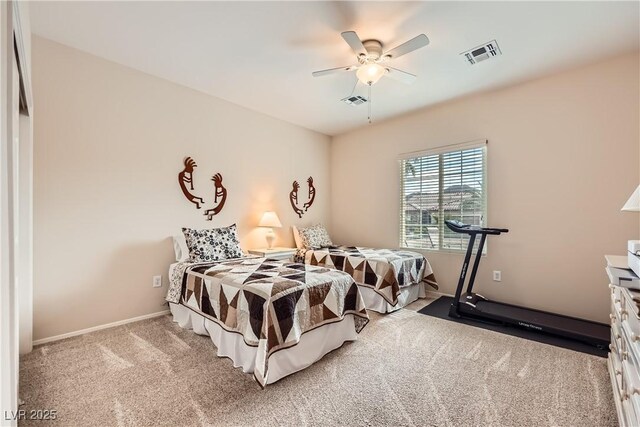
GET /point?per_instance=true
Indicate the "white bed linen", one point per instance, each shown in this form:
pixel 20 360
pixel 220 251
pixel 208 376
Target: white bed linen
pixel 374 301
pixel 312 346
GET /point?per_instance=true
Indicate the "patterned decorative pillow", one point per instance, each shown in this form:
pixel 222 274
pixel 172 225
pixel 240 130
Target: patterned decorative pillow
pixel 213 245
pixel 315 237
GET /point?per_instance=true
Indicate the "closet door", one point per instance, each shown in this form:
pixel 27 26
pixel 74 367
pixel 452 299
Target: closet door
pixel 8 291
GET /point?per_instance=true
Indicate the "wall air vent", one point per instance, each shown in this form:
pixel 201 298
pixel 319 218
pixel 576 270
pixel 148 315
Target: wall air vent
pixel 354 100
pixel 482 53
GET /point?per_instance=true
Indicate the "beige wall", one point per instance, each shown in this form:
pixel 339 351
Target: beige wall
pixel 562 160
pixel 109 143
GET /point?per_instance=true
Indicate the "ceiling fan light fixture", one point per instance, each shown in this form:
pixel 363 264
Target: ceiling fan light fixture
pixel 369 74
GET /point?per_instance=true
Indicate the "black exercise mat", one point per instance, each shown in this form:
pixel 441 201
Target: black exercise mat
pixel 440 309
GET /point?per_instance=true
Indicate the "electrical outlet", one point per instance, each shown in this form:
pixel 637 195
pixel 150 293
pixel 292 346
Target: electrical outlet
pixel 157 281
pixel 497 276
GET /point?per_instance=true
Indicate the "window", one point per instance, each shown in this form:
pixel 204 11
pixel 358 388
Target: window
pixel 448 183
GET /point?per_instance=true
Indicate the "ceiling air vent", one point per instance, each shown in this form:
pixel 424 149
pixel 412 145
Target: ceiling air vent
pixel 482 53
pixel 354 100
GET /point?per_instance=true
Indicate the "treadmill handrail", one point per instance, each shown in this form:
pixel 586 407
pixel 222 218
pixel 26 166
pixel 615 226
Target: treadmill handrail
pixel 460 227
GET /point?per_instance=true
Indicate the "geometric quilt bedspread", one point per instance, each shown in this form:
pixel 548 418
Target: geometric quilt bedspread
pixel 385 271
pixel 271 303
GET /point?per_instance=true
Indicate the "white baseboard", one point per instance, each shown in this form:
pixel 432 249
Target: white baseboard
pixel 439 294
pixel 99 327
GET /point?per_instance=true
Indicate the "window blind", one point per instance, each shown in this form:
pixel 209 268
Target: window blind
pixel 438 185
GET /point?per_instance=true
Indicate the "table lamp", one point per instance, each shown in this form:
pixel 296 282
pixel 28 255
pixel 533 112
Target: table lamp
pixel 633 204
pixel 270 220
pixel 633 246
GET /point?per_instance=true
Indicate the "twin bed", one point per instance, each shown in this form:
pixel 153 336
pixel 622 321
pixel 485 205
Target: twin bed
pixel 272 317
pixel 388 279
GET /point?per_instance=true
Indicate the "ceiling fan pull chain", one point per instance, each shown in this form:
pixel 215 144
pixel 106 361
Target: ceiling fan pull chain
pixel 370 103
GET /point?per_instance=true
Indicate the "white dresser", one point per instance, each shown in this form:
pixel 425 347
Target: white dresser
pixel 624 355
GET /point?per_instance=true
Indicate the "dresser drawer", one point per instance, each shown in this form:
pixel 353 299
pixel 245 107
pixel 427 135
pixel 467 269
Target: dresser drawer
pixel 615 314
pixel 616 339
pixel 615 383
pixel 615 291
pixel 616 367
pixel 629 315
pixel 630 364
pixel 631 409
pixel 629 413
pixel 630 389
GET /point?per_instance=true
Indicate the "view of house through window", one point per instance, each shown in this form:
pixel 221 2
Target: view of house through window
pixel 441 185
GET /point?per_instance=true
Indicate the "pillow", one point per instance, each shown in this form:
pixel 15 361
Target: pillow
pixel 180 248
pixel 296 237
pixel 212 245
pixel 315 237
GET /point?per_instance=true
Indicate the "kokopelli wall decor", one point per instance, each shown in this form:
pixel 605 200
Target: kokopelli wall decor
pixel 185 179
pixel 219 197
pixel 293 197
pixel 312 194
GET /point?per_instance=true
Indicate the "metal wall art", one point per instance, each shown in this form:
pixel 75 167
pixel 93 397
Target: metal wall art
pixel 293 197
pixel 219 197
pixel 185 179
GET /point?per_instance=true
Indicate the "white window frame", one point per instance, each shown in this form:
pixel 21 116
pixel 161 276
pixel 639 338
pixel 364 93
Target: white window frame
pixel 483 143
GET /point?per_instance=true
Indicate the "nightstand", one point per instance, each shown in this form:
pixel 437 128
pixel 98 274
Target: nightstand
pixel 275 253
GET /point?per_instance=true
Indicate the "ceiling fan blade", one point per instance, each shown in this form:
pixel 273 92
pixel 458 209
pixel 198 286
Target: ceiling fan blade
pixel 354 41
pixel 409 46
pixel 401 76
pixel 333 71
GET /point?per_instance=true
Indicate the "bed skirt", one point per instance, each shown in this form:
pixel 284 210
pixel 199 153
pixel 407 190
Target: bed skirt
pixel 408 294
pixel 312 347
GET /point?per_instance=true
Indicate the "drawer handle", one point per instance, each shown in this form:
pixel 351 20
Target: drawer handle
pixel 623 396
pixel 617 300
pixel 634 337
pixel 612 316
pixel 610 286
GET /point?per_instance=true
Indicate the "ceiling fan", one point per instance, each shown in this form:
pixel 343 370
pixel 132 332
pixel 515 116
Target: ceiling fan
pixel 372 60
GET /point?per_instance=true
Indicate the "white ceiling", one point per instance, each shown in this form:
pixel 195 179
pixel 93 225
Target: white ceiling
pixel 261 54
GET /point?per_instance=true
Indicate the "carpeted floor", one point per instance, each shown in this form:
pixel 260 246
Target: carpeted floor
pixel 406 369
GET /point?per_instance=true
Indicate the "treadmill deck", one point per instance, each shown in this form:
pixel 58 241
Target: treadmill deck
pixel 542 320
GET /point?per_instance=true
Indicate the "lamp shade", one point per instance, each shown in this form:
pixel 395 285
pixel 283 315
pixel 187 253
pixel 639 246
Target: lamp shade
pixel 370 73
pixel 633 204
pixel 270 219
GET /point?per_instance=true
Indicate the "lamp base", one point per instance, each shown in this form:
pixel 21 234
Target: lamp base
pixel 271 236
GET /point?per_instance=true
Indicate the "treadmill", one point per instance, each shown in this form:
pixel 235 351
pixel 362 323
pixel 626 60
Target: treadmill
pixel 474 306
